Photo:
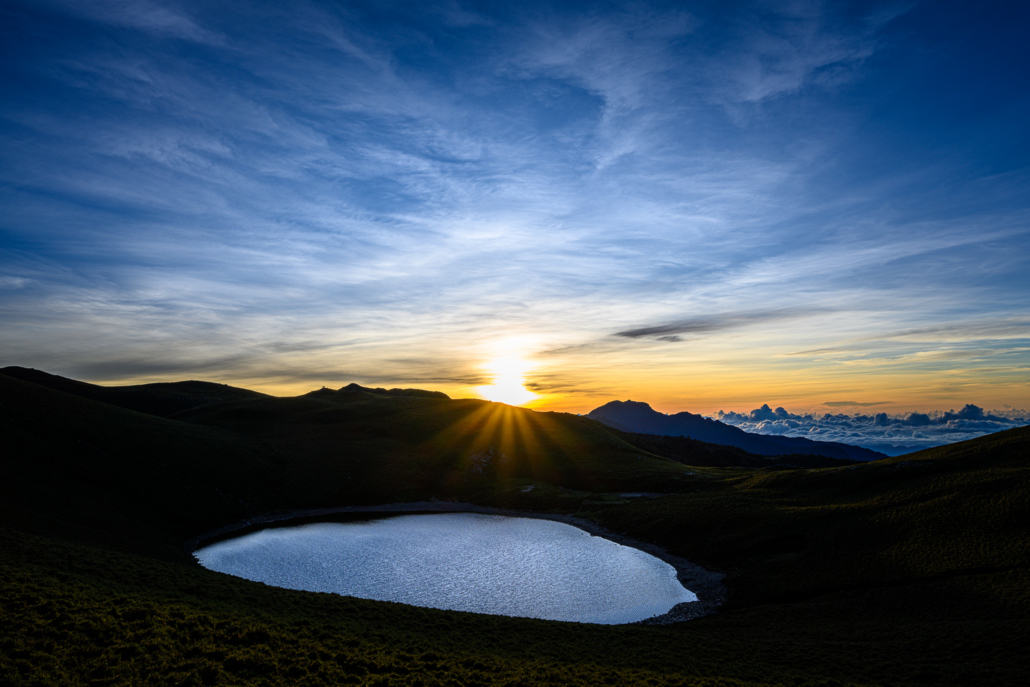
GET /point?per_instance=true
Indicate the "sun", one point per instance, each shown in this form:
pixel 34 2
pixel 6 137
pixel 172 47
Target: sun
pixel 508 382
pixel 514 394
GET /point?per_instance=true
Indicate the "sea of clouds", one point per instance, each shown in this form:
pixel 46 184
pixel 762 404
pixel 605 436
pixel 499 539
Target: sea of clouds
pixel 893 434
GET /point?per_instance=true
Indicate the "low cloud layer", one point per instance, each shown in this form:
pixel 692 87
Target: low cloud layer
pixel 893 434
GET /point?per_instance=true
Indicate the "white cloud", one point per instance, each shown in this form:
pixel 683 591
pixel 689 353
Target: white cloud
pixel 893 434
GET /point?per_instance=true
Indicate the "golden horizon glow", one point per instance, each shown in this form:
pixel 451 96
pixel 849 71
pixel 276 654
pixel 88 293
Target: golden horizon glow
pixel 705 389
pixel 710 375
pixel 508 382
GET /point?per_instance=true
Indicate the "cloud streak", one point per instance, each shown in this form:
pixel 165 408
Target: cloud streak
pixel 710 324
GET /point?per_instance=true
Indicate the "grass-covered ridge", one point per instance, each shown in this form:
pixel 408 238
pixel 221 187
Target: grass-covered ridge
pixel 911 570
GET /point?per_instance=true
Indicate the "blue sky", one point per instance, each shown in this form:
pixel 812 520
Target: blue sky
pixel 704 205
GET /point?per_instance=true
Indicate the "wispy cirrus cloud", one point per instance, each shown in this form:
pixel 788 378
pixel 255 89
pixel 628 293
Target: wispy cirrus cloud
pixel 232 183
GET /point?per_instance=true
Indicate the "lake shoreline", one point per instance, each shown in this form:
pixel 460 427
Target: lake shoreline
pixel 705 584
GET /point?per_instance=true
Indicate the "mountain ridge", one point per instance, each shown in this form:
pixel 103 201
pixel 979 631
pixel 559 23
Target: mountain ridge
pixel 233 408
pixel 640 417
pixel 163 399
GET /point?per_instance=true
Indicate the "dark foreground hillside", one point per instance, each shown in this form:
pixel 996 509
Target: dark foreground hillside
pixel 907 571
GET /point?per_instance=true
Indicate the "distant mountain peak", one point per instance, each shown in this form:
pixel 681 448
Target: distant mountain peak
pixel 625 404
pixel 637 416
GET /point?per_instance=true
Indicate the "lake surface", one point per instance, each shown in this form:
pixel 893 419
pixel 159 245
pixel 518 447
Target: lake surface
pixel 460 561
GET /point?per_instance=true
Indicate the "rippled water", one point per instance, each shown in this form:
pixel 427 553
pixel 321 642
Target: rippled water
pixel 460 561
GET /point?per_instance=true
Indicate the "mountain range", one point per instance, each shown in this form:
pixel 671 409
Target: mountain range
pixel 168 399
pixel 639 417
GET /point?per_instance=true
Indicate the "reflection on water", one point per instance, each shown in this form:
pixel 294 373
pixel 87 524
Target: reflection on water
pixel 460 561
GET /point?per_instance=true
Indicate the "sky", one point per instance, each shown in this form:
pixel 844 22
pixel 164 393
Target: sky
pixel 706 206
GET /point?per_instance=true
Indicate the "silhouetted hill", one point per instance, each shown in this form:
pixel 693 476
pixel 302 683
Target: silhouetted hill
pixel 96 472
pixel 358 389
pixel 289 423
pixel 635 416
pixel 161 399
pixel 398 443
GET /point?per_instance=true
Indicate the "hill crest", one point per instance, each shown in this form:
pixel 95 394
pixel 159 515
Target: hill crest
pixel 163 399
pixel 355 388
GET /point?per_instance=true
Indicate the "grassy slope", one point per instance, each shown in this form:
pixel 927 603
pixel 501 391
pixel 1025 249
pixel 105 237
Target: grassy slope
pixel 699 453
pixel 906 571
pixel 92 472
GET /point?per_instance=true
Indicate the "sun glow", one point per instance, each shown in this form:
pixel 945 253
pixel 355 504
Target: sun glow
pixel 508 382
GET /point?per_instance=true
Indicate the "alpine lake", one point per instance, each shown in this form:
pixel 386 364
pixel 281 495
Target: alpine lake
pixel 501 565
